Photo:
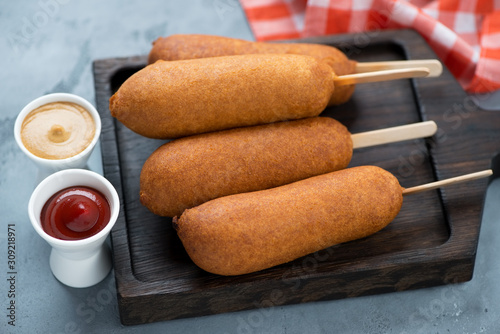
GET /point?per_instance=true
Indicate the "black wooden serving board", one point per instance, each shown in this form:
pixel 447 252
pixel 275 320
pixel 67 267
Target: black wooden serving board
pixel 431 242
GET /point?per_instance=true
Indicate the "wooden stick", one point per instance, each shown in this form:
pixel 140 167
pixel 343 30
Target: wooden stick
pixel 433 65
pixel 453 180
pixel 377 76
pixel 394 134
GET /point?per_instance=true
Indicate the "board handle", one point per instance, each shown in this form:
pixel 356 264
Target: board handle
pixel 447 182
pixel 433 65
pixel 377 76
pixel 394 134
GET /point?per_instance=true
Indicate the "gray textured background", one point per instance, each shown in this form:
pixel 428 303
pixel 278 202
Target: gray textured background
pixel 48 46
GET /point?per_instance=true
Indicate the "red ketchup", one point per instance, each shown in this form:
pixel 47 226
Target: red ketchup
pixel 75 213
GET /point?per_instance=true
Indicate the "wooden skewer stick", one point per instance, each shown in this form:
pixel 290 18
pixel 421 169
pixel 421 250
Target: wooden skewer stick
pixel 433 65
pixel 450 181
pixel 377 76
pixel 394 134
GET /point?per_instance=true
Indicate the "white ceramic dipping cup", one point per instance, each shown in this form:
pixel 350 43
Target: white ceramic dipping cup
pixel 76 263
pixel 49 166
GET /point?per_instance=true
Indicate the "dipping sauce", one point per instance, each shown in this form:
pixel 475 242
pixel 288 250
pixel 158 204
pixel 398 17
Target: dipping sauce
pixel 57 130
pixel 75 213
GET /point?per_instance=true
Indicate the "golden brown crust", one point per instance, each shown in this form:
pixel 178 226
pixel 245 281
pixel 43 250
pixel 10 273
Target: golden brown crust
pixel 189 171
pixel 249 232
pixel 192 46
pixel 181 98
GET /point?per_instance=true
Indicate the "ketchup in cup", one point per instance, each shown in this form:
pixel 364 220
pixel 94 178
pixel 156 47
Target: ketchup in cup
pixel 75 213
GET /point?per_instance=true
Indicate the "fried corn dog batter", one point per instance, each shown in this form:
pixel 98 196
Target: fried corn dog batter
pixel 244 233
pixel 189 171
pixel 186 97
pixel 191 46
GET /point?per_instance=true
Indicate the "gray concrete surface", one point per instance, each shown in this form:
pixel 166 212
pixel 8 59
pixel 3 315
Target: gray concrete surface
pixel 48 46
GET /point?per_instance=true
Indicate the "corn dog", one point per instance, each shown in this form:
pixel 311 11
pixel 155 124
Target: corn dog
pixel 191 46
pixel 189 171
pixel 248 232
pixel 186 97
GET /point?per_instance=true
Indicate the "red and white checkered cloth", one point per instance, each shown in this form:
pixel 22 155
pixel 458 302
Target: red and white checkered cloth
pixel 465 34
